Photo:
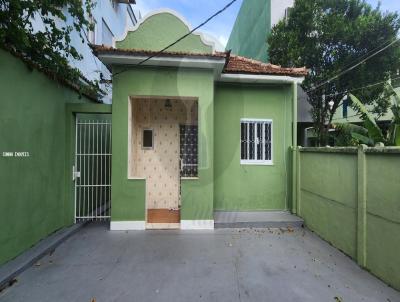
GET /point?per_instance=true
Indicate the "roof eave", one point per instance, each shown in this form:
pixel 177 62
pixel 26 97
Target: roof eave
pixel 214 63
pixel 259 78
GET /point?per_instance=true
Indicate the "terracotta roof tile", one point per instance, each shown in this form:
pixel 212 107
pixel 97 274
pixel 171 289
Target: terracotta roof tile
pixel 238 64
pixel 235 64
pixel 101 49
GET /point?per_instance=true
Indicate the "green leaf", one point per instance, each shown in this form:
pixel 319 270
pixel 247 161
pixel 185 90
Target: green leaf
pixel 374 131
pixel 396 95
pixel 396 135
pixel 363 139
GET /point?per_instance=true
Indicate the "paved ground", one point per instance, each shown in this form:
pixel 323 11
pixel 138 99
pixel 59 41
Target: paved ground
pixel 222 265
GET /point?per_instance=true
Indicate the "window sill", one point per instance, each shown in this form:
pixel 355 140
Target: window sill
pixel 190 178
pixel 256 163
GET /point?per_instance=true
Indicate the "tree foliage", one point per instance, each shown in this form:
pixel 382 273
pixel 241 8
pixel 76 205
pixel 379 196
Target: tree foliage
pixel 371 134
pixel 328 37
pixel 38 31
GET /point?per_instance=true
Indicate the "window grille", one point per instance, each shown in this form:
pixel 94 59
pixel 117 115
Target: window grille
pixel 256 141
pixel 188 150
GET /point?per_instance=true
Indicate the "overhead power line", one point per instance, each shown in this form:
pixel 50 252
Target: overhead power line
pixel 360 88
pixel 367 53
pixel 354 66
pixel 183 37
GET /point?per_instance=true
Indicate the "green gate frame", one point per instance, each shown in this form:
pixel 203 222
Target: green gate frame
pixel 72 109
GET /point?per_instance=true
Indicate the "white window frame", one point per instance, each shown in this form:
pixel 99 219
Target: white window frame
pixel 91 33
pixel 256 161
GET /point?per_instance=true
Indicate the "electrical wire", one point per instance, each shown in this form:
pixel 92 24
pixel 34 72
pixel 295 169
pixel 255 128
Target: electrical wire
pixel 367 53
pixel 360 88
pixel 353 67
pixel 181 38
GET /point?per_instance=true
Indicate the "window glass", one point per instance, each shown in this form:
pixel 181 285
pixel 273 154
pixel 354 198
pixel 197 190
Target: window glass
pixel 106 35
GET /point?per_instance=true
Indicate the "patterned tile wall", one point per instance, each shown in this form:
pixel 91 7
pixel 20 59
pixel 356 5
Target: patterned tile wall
pixel 160 165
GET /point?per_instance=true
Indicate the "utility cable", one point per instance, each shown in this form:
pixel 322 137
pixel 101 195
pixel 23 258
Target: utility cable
pixel 183 37
pixel 360 88
pixel 353 67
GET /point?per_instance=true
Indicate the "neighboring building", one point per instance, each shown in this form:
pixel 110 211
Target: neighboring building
pixel 253 26
pixel 346 114
pixel 192 133
pixel 111 18
pixel 249 37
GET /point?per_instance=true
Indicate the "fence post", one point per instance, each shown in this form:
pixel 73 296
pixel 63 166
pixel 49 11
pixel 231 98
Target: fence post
pixel 294 180
pixel 298 184
pixel 362 207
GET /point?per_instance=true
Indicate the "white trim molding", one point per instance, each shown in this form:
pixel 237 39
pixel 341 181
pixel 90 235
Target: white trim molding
pixel 259 78
pixel 127 225
pixel 128 28
pixel 197 224
pixel 217 63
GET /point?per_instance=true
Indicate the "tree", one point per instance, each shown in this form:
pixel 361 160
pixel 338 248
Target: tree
pixel 49 48
pixel 329 37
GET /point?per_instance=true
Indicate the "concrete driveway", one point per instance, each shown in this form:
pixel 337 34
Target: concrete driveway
pixel 221 265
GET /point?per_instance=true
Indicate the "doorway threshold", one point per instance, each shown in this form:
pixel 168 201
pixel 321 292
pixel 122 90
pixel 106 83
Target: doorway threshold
pixel 163 226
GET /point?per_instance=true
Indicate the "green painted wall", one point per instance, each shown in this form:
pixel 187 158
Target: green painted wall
pixel 32 119
pixel 128 195
pixel 383 216
pixel 249 187
pixel 329 197
pixel 350 198
pixel 151 35
pixel 251 29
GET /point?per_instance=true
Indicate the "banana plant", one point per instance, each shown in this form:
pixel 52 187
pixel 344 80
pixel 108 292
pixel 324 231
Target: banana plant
pixel 395 127
pixel 373 134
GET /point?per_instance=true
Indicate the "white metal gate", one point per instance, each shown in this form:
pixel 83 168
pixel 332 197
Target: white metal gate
pixel 92 169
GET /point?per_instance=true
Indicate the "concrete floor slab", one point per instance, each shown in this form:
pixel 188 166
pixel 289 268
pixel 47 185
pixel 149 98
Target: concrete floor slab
pixel 14 267
pixel 220 265
pixel 260 219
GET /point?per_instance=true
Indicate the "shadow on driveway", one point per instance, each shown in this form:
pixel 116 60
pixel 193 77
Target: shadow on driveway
pixel 222 265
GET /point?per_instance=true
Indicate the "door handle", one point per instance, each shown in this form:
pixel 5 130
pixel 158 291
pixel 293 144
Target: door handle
pixel 75 174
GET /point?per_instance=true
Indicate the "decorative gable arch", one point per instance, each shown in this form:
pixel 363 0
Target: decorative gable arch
pixel 161 28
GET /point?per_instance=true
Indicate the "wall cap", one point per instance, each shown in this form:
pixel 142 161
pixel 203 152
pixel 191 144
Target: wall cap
pixel 389 150
pixel 351 150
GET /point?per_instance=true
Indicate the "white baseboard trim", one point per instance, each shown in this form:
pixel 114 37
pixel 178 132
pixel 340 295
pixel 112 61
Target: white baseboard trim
pixel 127 225
pixel 163 226
pixel 197 224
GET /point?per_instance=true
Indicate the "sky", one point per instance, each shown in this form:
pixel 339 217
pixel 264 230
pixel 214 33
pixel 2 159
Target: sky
pixel 197 11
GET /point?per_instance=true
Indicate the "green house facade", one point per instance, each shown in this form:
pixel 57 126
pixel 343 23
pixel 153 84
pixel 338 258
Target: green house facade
pixel 195 130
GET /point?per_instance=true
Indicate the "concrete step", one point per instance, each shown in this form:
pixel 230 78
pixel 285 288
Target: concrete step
pixel 261 219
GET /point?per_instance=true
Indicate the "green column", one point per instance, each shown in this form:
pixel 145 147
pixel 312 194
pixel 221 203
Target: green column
pixel 294 149
pixel 362 208
pixel 298 184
